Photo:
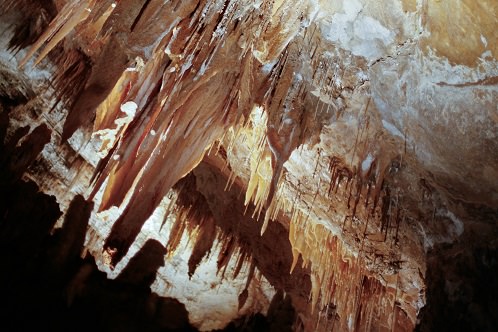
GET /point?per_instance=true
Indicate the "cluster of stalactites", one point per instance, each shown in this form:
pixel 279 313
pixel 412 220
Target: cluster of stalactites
pixel 199 227
pixel 336 273
pixel 194 221
pixel 340 282
pixel 158 92
pixel 158 95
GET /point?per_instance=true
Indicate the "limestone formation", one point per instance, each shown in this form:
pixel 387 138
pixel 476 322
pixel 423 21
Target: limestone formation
pixel 317 163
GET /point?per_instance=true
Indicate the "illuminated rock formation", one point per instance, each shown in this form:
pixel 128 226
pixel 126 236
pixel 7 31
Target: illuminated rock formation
pixel 331 150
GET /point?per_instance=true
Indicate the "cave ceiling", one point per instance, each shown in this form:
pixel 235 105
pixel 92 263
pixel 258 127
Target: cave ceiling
pixel 323 148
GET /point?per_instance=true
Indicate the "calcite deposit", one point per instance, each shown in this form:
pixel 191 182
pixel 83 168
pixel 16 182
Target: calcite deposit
pixel 317 163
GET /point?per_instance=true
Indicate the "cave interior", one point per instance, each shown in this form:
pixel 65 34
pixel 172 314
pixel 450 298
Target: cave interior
pixel 266 165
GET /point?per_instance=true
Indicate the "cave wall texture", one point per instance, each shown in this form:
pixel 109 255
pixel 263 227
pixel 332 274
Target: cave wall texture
pixel 249 165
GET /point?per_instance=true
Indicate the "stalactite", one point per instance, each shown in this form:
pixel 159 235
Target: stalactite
pixel 229 247
pixel 204 241
pixel 71 75
pixel 36 17
pixel 71 15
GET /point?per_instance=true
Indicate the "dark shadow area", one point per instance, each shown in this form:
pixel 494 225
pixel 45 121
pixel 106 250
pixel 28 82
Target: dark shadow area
pixel 280 317
pixel 45 285
pixel 462 292
pixel 126 303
